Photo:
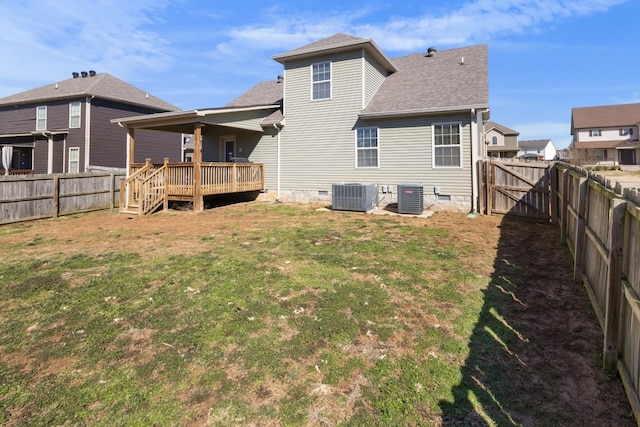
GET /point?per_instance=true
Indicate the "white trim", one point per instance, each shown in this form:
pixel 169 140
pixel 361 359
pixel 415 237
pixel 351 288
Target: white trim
pixel 433 144
pixel 377 148
pixel 330 81
pixel 44 108
pixel 71 149
pixel 87 132
pixel 50 155
pixel 364 73
pixel 79 114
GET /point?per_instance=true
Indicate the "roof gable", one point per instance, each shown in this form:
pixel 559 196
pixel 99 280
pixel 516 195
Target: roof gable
pixel 450 80
pixel 500 128
pixel 605 116
pixel 335 44
pixel 102 85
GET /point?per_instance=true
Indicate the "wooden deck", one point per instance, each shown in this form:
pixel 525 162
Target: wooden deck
pixel 149 186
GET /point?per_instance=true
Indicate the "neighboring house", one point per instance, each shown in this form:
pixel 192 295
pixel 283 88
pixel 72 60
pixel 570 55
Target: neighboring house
pixel 606 135
pixel 501 141
pixel 65 127
pixel 345 112
pixel 538 149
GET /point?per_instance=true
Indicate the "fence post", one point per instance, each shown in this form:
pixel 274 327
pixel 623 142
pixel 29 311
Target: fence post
pixel 614 285
pixel 482 184
pixel 553 171
pixel 56 196
pixel 490 185
pixel 580 230
pixel 565 205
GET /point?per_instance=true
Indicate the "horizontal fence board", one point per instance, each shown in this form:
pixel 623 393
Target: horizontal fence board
pixel 24 198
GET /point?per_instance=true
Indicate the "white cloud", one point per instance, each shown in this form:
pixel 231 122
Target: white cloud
pixel 477 20
pixel 45 38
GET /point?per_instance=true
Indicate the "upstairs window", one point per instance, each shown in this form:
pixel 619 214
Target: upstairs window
pixel 74 114
pixel 595 132
pixel 446 145
pixel 367 147
pixel 494 140
pixel 321 80
pixel 41 118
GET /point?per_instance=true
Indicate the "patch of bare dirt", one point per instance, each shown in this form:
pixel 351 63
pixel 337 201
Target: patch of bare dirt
pixel 554 359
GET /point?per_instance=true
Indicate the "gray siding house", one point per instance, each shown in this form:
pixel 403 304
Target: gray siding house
pixel 65 127
pixel 501 141
pixel 344 112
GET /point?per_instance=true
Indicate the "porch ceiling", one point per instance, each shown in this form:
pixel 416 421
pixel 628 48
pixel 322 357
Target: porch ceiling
pixel 185 121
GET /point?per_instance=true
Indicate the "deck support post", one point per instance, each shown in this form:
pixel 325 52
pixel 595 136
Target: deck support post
pixel 165 184
pixel 198 201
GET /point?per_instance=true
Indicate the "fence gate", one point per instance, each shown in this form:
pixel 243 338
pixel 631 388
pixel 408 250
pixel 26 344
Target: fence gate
pixel 516 188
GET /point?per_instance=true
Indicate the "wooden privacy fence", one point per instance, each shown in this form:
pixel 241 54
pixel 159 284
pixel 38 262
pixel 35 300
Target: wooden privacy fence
pixel 516 187
pixel 601 227
pixel 25 198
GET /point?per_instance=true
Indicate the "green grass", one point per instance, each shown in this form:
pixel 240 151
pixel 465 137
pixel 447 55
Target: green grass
pixel 311 317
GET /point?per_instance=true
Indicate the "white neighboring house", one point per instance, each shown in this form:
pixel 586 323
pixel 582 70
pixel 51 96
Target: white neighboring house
pixel 538 149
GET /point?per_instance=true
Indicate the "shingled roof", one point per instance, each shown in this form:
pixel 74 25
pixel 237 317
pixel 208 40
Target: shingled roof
pixel 534 144
pixel 503 129
pixel 102 86
pixel 450 80
pixel 264 93
pixel 337 43
pixel 622 115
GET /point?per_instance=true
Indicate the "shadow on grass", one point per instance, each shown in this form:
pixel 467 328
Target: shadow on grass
pixel 534 356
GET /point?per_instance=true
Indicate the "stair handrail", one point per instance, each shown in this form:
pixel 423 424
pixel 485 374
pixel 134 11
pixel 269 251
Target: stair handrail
pixel 153 190
pixel 130 184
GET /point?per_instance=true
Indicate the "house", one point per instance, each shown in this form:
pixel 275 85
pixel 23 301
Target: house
pixel 501 141
pixel 65 127
pixel 342 111
pixel 606 135
pixel 538 149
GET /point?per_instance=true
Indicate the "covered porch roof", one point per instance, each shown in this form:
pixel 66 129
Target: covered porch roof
pixel 252 118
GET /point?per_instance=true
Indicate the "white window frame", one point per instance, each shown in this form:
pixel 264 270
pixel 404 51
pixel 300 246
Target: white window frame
pixel 434 147
pixel 41 119
pixel 322 82
pixel 75 116
pixel 74 164
pixel 358 133
pixel 595 132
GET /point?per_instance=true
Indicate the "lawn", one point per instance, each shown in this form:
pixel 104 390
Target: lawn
pixel 273 315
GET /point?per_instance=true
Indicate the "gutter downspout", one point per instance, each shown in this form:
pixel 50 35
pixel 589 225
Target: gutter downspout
pixel 475 137
pixel 275 125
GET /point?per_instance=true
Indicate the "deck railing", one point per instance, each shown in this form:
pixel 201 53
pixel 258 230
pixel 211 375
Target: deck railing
pixel 178 179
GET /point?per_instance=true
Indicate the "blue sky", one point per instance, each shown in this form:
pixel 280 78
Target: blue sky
pixel 545 56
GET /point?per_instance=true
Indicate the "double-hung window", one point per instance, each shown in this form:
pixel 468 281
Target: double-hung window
pixel 41 117
pixel 74 114
pixel 446 145
pixel 74 159
pixel 367 148
pixel 321 80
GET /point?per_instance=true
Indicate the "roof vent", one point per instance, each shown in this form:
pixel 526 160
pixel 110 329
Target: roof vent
pixel 92 73
pixel 280 79
pixel 84 73
pixel 75 74
pixel 431 51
